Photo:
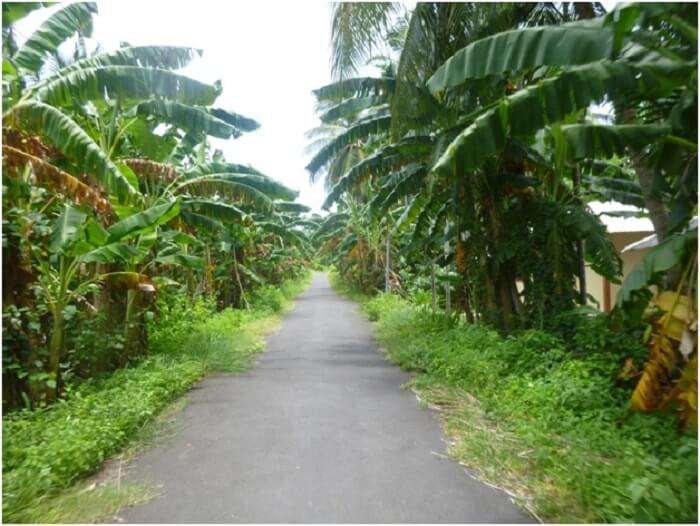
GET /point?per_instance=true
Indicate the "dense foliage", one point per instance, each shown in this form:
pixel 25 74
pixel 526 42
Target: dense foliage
pixel 464 170
pixel 461 176
pixel 136 258
pixel 113 199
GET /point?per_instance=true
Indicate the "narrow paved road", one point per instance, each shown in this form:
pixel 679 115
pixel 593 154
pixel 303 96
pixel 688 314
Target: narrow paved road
pixel 318 431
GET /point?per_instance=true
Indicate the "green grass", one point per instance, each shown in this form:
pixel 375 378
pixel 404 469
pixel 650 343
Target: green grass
pixel 46 452
pixel 550 426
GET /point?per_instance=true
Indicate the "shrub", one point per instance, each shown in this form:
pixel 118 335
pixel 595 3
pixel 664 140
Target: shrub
pixel 267 298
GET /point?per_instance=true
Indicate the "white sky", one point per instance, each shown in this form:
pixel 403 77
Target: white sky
pixel 269 55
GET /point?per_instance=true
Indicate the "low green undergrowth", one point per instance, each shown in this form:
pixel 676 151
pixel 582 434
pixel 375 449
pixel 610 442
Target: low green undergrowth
pixel 548 421
pixel 48 450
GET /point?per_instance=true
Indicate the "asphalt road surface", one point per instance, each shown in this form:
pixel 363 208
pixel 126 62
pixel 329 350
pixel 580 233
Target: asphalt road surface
pixel 318 431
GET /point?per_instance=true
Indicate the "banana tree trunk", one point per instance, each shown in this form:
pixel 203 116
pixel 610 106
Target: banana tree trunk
pixel 56 348
pixel 129 329
pixel 448 298
pixel 238 279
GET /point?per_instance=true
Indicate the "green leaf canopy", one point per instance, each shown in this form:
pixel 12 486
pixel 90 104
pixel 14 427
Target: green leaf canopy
pixel 144 221
pixel 522 49
pixel 189 118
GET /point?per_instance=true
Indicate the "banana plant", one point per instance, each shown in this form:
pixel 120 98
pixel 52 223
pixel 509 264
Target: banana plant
pixel 78 239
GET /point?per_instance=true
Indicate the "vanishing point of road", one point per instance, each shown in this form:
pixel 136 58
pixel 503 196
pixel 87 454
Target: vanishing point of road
pixel 319 430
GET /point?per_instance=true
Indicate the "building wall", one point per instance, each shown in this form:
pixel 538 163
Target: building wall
pixel 595 282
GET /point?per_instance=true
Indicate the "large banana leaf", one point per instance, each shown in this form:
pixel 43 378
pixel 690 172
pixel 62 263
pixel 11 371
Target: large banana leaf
pixel 54 178
pixel 661 258
pixel 306 223
pixel 202 222
pixel 152 169
pixel 162 57
pixel 350 107
pixel 358 132
pixel 14 11
pixel 250 274
pixel 73 18
pixel 331 224
pixel 117 251
pixel 126 82
pixel 66 229
pixel 549 101
pixel 407 181
pixel 572 44
pixel 605 141
pixel 144 221
pixel 221 167
pixel 241 122
pixel 599 250
pixel 612 183
pixel 213 210
pixel 615 189
pixel 247 188
pixel 186 146
pixel 522 49
pixel 286 234
pixel 290 206
pixel 189 118
pixel 382 162
pixel 357 31
pixel 257 181
pixel 69 138
pixel 183 260
pixel 432 209
pixel 412 211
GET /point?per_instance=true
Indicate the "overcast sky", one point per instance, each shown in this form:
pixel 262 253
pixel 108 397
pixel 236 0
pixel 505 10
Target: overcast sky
pixel 268 55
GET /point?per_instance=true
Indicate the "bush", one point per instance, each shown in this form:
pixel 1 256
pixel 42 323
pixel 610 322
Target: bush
pixel 588 458
pixel 267 298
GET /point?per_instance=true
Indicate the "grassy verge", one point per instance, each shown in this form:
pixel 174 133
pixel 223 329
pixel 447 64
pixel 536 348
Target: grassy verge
pixel 46 452
pixel 548 425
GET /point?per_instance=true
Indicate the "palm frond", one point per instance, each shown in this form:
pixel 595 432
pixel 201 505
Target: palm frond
pixel 357 29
